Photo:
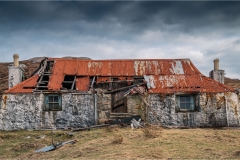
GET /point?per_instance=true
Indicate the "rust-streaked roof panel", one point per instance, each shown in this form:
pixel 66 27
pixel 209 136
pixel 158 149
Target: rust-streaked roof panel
pixel 184 83
pixel 124 67
pixel 25 86
pixel 82 83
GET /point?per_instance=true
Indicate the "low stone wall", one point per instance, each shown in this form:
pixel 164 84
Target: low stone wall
pixel 210 111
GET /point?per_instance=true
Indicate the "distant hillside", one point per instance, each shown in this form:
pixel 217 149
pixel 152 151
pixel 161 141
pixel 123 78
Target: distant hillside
pixel 235 83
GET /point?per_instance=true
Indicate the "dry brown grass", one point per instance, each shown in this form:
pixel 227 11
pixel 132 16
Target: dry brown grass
pixel 125 143
pixel 117 139
pixel 152 132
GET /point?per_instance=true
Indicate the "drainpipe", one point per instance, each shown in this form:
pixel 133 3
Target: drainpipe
pixel 95 108
pixel 226 110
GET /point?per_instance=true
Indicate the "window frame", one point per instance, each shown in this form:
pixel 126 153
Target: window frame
pixel 47 103
pixel 192 103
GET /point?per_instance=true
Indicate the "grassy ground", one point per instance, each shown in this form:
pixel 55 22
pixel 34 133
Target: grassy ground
pixel 125 143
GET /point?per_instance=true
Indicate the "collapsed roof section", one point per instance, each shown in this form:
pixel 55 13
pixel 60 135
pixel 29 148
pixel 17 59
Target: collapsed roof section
pixel 160 75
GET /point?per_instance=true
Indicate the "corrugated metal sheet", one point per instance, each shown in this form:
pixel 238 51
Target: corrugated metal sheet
pixel 103 79
pixel 163 75
pixel 55 82
pixel 25 86
pixel 183 83
pixel 82 83
pixel 123 67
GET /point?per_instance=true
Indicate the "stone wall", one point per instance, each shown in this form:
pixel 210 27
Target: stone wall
pixel 24 111
pixel 217 75
pixel 16 74
pixel 210 111
pixel 77 111
pixel 104 106
pixel 136 106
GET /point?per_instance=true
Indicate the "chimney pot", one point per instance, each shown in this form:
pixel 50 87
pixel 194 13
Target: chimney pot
pixel 15 59
pixel 216 64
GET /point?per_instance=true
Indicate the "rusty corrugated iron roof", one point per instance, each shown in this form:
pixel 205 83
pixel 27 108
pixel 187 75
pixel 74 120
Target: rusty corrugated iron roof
pixel 184 83
pixel 123 67
pixel 163 75
pixel 25 86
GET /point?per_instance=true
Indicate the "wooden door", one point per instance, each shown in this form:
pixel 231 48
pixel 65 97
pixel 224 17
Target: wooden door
pixel 119 102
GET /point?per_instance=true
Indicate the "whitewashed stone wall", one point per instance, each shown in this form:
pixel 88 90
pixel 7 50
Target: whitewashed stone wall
pixel 210 111
pixel 22 111
pixel 15 75
pixel 25 111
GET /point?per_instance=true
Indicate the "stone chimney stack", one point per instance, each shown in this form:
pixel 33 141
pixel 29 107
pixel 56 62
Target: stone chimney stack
pixel 217 74
pixel 15 72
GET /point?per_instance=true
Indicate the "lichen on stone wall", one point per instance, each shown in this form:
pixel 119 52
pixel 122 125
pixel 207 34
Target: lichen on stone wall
pixel 77 111
pixel 104 106
pixel 22 111
pixel 25 111
pixel 136 106
pixel 210 111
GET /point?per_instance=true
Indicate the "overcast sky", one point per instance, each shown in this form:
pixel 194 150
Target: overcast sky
pixel 201 31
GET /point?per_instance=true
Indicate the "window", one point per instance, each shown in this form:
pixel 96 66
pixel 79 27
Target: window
pixel 185 103
pixel 53 102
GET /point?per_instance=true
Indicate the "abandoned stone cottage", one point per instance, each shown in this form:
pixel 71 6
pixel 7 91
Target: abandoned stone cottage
pixel 78 93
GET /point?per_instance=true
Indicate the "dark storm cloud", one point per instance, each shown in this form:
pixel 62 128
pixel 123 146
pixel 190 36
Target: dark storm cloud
pixel 201 31
pixel 137 16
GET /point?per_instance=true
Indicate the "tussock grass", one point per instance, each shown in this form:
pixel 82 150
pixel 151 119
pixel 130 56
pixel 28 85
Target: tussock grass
pixel 152 132
pixel 111 129
pixel 117 139
pixel 125 143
